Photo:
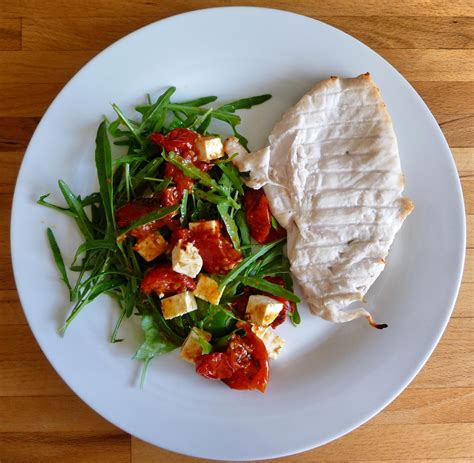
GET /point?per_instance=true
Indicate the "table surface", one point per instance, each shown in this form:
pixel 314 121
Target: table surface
pixel 44 42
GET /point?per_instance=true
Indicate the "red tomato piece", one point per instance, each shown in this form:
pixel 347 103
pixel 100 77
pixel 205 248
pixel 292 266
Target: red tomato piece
pixel 243 365
pixel 180 234
pixel 214 366
pixel 218 254
pixel 182 181
pixel 169 196
pixel 137 208
pixel 178 140
pixel 133 210
pixel 163 280
pixel 259 218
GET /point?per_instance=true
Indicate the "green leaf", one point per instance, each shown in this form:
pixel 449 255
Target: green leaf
pixel 183 208
pixel 164 184
pixel 206 346
pixel 103 162
pixel 295 317
pixel 147 171
pixel 58 258
pixel 215 198
pixel 152 119
pixel 231 119
pixel 191 170
pixel 218 320
pixel 245 103
pixel 271 288
pixel 275 224
pixel 155 215
pixel 155 343
pixel 93 198
pixel 127 123
pixel 241 223
pixel 94 244
pixel 113 337
pixel 230 225
pixel 128 158
pixel 64 210
pixel 239 268
pixel 199 101
pixel 75 205
pixel 233 175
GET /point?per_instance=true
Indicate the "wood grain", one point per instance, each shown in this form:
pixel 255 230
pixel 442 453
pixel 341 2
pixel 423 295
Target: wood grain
pixel 156 9
pixel 79 33
pixel 43 43
pixel 10 34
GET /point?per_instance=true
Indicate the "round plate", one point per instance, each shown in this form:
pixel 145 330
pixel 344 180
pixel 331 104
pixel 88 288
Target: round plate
pixel 329 378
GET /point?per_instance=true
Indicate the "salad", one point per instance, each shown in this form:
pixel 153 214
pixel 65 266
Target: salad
pixel 177 239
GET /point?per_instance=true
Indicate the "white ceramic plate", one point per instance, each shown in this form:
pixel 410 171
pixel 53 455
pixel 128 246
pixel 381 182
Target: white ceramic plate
pixel 329 379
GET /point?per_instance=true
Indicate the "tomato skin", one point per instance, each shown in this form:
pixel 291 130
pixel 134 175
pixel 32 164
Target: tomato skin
pixel 182 181
pixel 259 218
pixel 133 210
pixel 214 366
pixel 169 196
pixel 137 208
pixel 243 365
pixel 178 140
pixel 163 280
pixel 217 252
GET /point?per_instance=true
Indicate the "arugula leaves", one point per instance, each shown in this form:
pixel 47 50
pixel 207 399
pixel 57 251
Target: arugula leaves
pixel 106 264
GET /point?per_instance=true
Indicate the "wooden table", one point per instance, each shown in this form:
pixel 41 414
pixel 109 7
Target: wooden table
pixel 44 42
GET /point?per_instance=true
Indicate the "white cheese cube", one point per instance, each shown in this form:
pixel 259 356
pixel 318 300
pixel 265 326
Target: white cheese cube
pixel 151 247
pixel 208 289
pixel 262 310
pixel 272 341
pixel 191 348
pixel 186 260
pixel 205 225
pixel 208 148
pixel 177 305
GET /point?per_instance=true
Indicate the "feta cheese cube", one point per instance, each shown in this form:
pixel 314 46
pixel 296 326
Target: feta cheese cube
pixel 177 305
pixel 151 247
pixel 208 148
pixel 185 259
pixel 262 310
pixel 205 225
pixel 208 289
pixel 272 341
pixel 191 348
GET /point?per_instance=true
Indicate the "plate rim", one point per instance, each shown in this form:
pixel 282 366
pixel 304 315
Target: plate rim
pixel 457 280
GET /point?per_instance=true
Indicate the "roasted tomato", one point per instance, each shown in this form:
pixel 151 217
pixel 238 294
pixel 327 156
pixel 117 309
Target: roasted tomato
pixel 239 305
pixel 169 196
pixel 163 280
pixel 259 218
pixel 178 140
pixel 216 250
pixel 214 366
pixel 137 208
pixel 182 181
pixel 133 210
pixel 180 234
pixel 243 365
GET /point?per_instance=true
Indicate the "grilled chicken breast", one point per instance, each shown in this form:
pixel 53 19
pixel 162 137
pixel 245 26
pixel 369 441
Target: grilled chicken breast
pixel 333 179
